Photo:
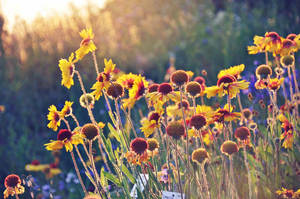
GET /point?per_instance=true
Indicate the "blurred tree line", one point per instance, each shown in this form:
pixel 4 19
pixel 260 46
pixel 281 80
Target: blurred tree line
pixel 139 35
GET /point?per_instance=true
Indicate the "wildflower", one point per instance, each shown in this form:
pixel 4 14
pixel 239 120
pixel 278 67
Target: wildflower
pixel 150 124
pixel 200 156
pixel 153 88
pixel 87 45
pixel 86 100
pixel 247 114
pixel 51 170
pixel 288 132
pixel 127 80
pixel 285 193
pixel 139 145
pixel 175 110
pixel 234 71
pixel 194 89
pixel 13 186
pixel 207 111
pixel 67 109
pixel 90 131
pixel 136 92
pixel 54 118
pixel 258 47
pixel 103 79
pixel 65 138
pixel 153 146
pixel 274 84
pixel 225 114
pixel 115 90
pixel 271 42
pixel 67 68
pixel 198 121
pixel 35 165
pixel 175 129
pixel 200 80
pixel 163 94
pixel 288 46
pixel 229 147
pixel 179 77
pixel 204 72
pixel 288 60
pixel 227 85
pixel 138 151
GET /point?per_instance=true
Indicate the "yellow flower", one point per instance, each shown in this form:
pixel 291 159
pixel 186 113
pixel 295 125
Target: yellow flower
pixel 274 84
pixel 51 170
pixel 67 109
pixel 225 114
pixel 286 193
pixel 87 45
pixel 226 85
pixel 258 47
pixel 67 68
pixel 13 186
pixel 65 138
pixel 234 71
pixel 35 166
pixel 207 111
pixel 288 46
pixel 103 79
pixel 54 117
pixel 288 132
pixel 175 110
pixel 138 89
pixel 150 124
pixel 165 93
pixel 127 80
pixel 101 125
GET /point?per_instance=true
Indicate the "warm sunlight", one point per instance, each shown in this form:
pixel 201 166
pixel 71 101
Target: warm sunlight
pixel 29 9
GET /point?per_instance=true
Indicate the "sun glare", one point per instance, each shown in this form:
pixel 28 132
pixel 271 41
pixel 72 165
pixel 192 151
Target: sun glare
pixel 29 9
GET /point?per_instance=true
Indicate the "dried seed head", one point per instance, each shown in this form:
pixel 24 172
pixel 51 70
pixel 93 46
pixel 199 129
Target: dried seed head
pixel 229 147
pixel 89 98
pixel 263 71
pixel 242 133
pixel 153 88
pixel 253 126
pixel 152 144
pixel 279 71
pixel 247 114
pixel 12 181
pixel 175 129
pixel 250 96
pixel 193 88
pixel 115 90
pixel 203 72
pixel 90 131
pixel 200 156
pixel 139 145
pixel 179 77
pixel 287 60
pixel 64 134
pixel 198 121
pixel 165 88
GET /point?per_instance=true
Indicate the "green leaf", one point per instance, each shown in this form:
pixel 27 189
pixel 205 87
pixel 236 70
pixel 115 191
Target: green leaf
pixel 113 132
pixel 128 174
pixel 112 178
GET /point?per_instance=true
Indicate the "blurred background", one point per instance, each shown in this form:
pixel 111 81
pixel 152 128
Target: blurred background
pixel 140 36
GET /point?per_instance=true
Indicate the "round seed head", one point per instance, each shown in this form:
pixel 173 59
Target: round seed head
pixel 175 129
pixel 204 72
pixel 12 181
pixel 115 90
pixel 263 71
pixel 90 131
pixel 139 145
pixel 229 147
pixel 153 88
pixel 193 88
pixel 198 121
pixel 247 113
pixel 179 77
pixel 89 98
pixel 287 60
pixel 200 156
pixel 165 88
pixel 64 134
pixel 152 144
pixel 242 133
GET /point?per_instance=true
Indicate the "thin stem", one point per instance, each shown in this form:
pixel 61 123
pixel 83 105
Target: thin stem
pixel 239 101
pixel 95 62
pixel 194 105
pixel 17 197
pixel 129 120
pixel 78 173
pixel 248 171
pixel 67 123
pixel 291 86
pixel 233 190
pixel 283 85
pixel 295 79
pixel 75 119
pixel 205 180
pixel 178 171
pixel 119 125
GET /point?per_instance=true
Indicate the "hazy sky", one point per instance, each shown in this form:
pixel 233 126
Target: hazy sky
pixel 28 9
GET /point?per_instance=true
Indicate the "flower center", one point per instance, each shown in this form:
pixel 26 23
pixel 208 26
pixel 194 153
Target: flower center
pixel 64 134
pixel 154 116
pixel 165 88
pixel 226 79
pixel 12 180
